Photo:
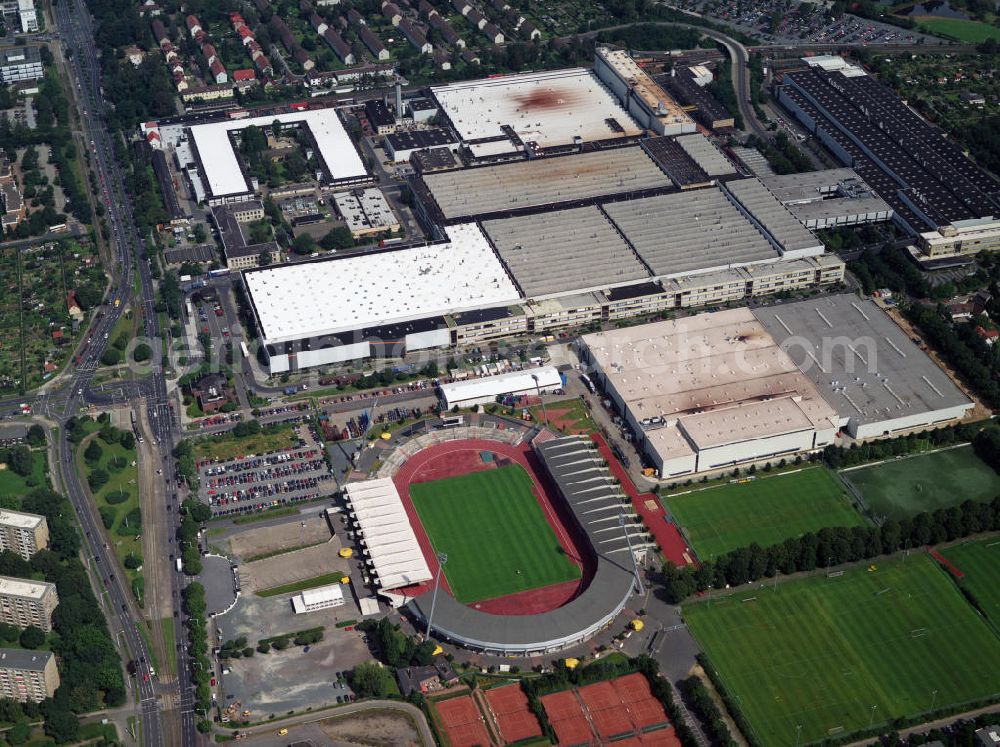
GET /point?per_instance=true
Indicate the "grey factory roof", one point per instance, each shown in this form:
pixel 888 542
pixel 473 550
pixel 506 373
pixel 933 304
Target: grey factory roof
pixel 596 501
pixel 543 181
pixel 23 659
pixel 840 207
pixel 690 231
pixel 808 185
pixel 776 219
pixel 564 250
pixel 706 155
pixel 864 365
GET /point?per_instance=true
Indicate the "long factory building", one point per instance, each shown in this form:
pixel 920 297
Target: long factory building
pixel 723 389
pixel 937 194
pixel 569 216
pixel 511 261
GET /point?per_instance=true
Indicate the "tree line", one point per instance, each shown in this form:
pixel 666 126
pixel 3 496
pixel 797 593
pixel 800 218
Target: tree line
pixel 839 457
pixel 830 547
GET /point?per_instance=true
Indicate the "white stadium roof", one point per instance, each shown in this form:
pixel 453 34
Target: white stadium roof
pixel 222 168
pixel 331 296
pixel 392 548
pixel 549 108
pixel 477 390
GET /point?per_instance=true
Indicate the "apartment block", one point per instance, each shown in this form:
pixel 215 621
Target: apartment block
pixel 24 534
pixel 24 602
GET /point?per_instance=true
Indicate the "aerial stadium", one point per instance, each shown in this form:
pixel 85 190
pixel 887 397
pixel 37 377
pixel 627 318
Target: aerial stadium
pixel 527 536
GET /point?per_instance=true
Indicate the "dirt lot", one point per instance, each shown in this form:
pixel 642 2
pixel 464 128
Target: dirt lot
pixel 293 679
pixel 292 566
pixel 305 530
pixel 384 728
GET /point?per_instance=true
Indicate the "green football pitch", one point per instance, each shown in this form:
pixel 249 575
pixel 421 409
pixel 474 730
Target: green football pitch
pixel 979 560
pixel 908 486
pixel 830 655
pixel 494 532
pixel 767 510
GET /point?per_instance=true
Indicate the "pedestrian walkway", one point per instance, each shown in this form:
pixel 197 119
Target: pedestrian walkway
pixel 648 507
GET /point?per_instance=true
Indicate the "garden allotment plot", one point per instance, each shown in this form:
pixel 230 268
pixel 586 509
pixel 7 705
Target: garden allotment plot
pixel 821 652
pixel 903 487
pixel 494 532
pixel 767 510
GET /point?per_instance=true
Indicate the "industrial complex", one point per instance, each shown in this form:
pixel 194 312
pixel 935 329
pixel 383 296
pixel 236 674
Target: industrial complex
pixel 938 196
pixel 726 388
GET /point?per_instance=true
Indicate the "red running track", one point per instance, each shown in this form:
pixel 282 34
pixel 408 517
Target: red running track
pixel 666 534
pixel 454 458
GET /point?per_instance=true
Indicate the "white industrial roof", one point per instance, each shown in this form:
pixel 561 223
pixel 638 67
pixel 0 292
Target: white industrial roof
pixel 20 520
pixel 458 392
pixel 395 563
pixel 322 595
pixel 222 168
pixel 548 108
pixel 334 295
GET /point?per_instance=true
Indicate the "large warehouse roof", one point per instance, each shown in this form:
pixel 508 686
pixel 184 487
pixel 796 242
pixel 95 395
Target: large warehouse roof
pixel 793 238
pixel 221 165
pixel 543 181
pixel 706 155
pixel 333 295
pixel 714 379
pixel 548 108
pixel 692 231
pixel 515 382
pixel 392 548
pixel 596 502
pixel 564 251
pixel 860 359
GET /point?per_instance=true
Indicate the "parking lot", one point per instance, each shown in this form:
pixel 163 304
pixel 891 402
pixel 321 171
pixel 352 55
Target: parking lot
pixel 293 679
pixel 258 482
pixel 784 22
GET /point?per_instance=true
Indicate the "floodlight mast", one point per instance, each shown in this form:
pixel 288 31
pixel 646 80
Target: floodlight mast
pixel 635 566
pixel 442 558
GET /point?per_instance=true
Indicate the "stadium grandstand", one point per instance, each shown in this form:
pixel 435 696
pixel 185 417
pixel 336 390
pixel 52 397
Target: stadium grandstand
pixel 390 548
pixel 604 514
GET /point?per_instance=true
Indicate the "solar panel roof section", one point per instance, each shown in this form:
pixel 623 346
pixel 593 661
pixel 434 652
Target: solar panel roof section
pixel 784 228
pixel 862 362
pixel 564 251
pixel 675 160
pixel 915 155
pixel 694 231
pixel 706 155
pixel 548 108
pixel 480 191
pixel 595 500
pixel 886 187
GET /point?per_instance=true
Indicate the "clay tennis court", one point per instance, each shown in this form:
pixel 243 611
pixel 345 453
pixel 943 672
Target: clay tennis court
pixel 510 710
pixel 567 718
pixel 462 721
pixel 643 709
pixel 606 711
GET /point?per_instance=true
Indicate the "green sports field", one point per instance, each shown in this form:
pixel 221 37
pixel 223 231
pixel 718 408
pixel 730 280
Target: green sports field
pixel 962 29
pixel 821 652
pixel 494 532
pixel 904 487
pixel 979 560
pixel 767 510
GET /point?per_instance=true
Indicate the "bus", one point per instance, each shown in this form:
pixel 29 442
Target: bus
pixel 588 383
pixel 218 273
pixel 244 350
pixel 452 421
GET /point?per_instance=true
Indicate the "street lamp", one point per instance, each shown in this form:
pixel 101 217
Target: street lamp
pixel 872 719
pixel 635 568
pixel 934 700
pixel 538 388
pixel 798 733
pixel 442 558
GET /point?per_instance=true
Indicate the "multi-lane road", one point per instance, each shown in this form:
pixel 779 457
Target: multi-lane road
pixel 77 34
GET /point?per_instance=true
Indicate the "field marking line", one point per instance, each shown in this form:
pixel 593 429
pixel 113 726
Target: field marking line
pixel 903 457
